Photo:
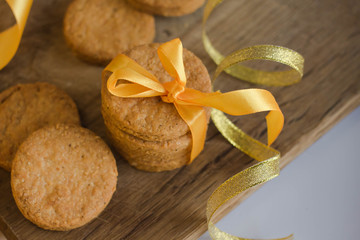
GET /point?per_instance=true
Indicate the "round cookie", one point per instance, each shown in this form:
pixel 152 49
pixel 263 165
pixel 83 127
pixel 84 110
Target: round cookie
pixel 167 7
pixel 151 156
pixel 99 30
pixel 148 132
pixel 25 108
pixel 63 176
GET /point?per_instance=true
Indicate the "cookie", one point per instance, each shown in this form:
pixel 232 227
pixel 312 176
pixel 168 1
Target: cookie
pixel 167 7
pixel 25 108
pixel 99 30
pixel 63 176
pixel 153 127
pixel 151 156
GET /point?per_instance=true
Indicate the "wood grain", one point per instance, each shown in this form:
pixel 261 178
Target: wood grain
pixel 171 205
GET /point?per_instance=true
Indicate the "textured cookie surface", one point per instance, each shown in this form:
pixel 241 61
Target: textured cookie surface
pixel 150 118
pixel 152 156
pixel 63 176
pixel 98 30
pixel 167 7
pixel 25 108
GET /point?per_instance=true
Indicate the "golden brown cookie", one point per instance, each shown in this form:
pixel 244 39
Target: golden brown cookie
pixel 167 7
pixel 151 156
pixel 99 30
pixel 148 132
pixel 25 108
pixel 63 176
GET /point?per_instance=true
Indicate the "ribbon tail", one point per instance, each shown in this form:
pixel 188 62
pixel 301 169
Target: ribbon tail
pixel 241 102
pixel 195 118
pixel 275 123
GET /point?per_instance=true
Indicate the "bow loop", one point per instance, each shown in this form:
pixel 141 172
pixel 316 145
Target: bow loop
pixel 171 57
pixel 135 80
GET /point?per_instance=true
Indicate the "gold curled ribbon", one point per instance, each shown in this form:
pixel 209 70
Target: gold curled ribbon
pixel 262 52
pixel 189 102
pixel 268 166
pixel 10 38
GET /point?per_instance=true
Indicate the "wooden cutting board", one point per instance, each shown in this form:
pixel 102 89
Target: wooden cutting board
pixel 171 205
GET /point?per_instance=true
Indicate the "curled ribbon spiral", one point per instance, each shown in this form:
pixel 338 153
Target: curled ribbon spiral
pixel 268 166
pixel 261 52
pixel 189 102
pixel 10 38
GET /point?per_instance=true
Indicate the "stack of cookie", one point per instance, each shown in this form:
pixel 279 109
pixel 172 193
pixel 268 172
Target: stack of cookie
pixel 62 175
pixel 148 132
pixel 99 30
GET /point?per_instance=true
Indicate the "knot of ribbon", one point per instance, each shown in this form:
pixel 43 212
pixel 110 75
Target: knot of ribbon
pixel 189 102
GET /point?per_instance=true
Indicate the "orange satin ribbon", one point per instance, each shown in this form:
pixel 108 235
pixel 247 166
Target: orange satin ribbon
pixel 10 38
pixel 189 102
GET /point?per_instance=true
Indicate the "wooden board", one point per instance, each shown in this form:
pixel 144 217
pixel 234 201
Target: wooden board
pixel 171 205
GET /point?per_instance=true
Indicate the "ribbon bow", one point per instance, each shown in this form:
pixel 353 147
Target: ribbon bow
pixel 189 102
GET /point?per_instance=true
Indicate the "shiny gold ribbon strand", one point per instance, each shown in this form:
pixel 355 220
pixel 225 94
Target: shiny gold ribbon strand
pixel 268 166
pixel 10 38
pixel 262 52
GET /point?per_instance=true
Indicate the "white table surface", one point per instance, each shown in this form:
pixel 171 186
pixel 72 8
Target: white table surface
pixel 317 196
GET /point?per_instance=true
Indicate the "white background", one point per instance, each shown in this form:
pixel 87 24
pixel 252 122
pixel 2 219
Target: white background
pixel 316 197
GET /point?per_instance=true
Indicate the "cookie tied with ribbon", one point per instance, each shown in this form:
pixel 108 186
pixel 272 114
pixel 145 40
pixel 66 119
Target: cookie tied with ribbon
pixel 130 80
